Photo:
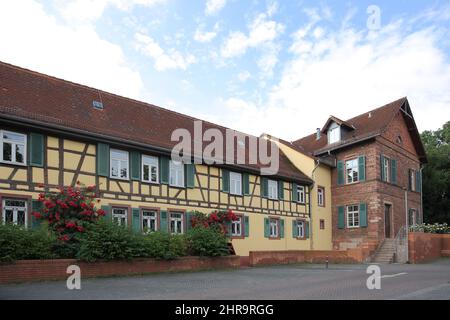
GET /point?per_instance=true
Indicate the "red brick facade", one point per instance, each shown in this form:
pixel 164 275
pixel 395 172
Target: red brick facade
pixel 374 192
pixel 424 247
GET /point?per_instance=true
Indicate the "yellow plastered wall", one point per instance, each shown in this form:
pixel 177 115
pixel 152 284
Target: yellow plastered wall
pixel 321 239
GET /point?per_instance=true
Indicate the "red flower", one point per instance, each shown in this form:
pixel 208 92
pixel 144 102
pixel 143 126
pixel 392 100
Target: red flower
pixel 80 229
pixel 64 206
pixel 49 204
pixel 37 215
pixel 70 225
pixel 64 238
pixel 101 212
pixel 72 204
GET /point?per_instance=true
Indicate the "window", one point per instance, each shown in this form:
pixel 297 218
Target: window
pixel 352 170
pixel 13 147
pixel 273 228
pixel 301 194
pixel 321 196
pixel 235 183
pixel 413 217
pixel 119 164
pixel 149 221
pixel 322 224
pixel 300 229
pixel 15 211
pixel 386 170
pixel 353 216
pixel 149 169
pixel 176 222
pixel 176 177
pixel 272 189
pixel 334 133
pixel 119 216
pixel 236 227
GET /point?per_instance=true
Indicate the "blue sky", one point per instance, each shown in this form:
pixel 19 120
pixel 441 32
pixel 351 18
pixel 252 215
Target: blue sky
pixel 280 67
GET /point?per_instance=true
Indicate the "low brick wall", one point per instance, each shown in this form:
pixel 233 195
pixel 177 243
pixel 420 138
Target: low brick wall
pixel 424 247
pixel 38 270
pixel 257 258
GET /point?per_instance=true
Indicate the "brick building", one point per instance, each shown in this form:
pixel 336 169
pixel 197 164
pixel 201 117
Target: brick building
pixel 376 180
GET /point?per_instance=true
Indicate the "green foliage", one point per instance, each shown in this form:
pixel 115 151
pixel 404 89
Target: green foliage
pixel 161 245
pixel 430 228
pixel 436 175
pixel 108 241
pixel 18 243
pixel 207 242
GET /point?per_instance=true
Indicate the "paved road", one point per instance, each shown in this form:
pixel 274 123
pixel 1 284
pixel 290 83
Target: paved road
pixel 426 281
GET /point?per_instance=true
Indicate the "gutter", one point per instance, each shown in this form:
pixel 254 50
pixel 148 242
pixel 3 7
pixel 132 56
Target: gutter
pixel 346 144
pixel 311 233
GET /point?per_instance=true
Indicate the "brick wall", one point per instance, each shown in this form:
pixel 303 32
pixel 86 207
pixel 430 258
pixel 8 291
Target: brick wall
pixel 257 258
pixel 424 247
pixel 38 270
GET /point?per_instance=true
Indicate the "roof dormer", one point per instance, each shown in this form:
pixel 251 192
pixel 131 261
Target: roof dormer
pixel 335 128
pixel 334 133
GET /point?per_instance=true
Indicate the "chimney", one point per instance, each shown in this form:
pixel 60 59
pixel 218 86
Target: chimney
pixel 318 134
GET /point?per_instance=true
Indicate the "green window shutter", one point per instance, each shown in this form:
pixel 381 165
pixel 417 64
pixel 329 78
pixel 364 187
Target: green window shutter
pixel 281 228
pixel 246 183
pixel 163 226
pixel 280 190
pixel 36 150
pixel 383 178
pixel 247 226
pixel 294 192
pixel 189 170
pixel 306 229
pixel 362 168
pixel 188 220
pixel 264 187
pixel 341 217
pixel 362 215
pixel 393 171
pixel 225 180
pixel 103 159
pixel 35 206
pixel 107 210
pixel 294 229
pixel 135 165
pixel 136 219
pixel 418 182
pixel 164 170
pixel 266 228
pixel 228 228
pixel 340 171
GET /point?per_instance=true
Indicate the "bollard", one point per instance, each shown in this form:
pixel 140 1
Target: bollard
pixel 326 263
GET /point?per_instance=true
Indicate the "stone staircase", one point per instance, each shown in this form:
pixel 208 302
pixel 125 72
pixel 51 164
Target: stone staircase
pixel 386 252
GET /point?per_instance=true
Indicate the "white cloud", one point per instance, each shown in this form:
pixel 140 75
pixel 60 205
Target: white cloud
pixel 348 72
pixel 162 60
pixel 214 6
pixel 205 36
pixel 33 39
pixel 262 31
pixel 81 11
pixel 244 76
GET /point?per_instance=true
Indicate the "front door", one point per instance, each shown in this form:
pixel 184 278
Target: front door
pixel 387 220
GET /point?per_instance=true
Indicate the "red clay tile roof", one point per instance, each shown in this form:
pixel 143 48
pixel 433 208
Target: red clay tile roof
pixel 37 97
pixel 365 127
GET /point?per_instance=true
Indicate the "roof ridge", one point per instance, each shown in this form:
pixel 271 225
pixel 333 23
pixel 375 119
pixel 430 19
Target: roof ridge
pixel 139 102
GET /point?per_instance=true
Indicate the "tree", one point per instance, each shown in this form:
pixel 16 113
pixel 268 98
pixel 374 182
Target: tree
pixel 436 175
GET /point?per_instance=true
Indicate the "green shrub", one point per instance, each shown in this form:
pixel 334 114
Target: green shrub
pixel 161 245
pixel 17 243
pixel 207 242
pixel 108 241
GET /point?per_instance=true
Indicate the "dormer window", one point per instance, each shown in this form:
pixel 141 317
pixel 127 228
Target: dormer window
pixel 334 133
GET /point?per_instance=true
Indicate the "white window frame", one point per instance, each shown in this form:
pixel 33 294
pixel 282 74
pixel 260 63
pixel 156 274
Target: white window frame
pixel 272 189
pixel 353 217
pixel 387 169
pixel 15 209
pixel 176 172
pixel 354 169
pixel 13 148
pixel 236 227
pixel 321 196
pixel 301 194
pixel 273 228
pixel 235 183
pixel 176 219
pixel 151 162
pixel 111 159
pixel 300 228
pixel 148 219
pixel 334 133
pixel 119 216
